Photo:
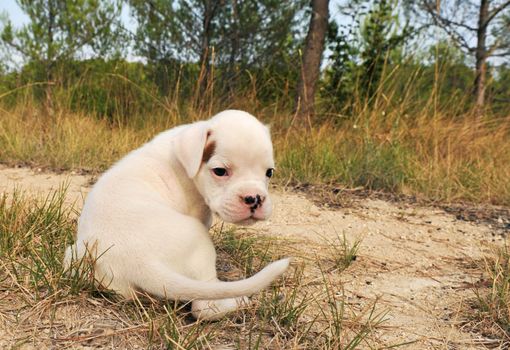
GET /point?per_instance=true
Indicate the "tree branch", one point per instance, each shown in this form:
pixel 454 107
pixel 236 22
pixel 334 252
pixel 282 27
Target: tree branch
pixel 20 49
pixel 445 21
pixel 458 38
pixel 495 11
pixel 448 26
pixel 498 45
pixel 501 54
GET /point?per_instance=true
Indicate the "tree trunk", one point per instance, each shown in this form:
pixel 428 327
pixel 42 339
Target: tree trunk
pixel 481 57
pixel 310 68
pixel 234 49
pixel 50 59
pixel 210 7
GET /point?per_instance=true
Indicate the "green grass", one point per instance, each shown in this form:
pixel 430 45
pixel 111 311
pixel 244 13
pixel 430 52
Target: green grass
pixel 50 307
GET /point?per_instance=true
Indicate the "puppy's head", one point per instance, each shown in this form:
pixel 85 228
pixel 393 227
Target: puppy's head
pixel 230 159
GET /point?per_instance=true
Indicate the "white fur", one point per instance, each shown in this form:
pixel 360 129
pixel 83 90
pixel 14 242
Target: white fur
pixel 146 220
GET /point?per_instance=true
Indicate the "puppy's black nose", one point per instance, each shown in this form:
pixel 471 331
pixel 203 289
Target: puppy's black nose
pixel 251 200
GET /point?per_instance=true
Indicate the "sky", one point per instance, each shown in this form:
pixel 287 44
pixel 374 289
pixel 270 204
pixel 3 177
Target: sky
pixel 10 7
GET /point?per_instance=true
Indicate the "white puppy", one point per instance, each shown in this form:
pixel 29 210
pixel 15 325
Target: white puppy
pixel 146 220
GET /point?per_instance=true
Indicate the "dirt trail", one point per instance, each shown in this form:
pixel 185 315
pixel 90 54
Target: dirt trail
pixel 416 261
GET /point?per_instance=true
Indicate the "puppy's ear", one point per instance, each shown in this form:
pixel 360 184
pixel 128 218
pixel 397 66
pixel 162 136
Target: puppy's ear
pixel 189 146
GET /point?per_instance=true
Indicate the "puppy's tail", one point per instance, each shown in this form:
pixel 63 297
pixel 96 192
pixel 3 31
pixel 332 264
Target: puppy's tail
pixel 171 285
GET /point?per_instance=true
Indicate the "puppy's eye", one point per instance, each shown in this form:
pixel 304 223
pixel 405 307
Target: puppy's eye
pixel 220 172
pixel 269 172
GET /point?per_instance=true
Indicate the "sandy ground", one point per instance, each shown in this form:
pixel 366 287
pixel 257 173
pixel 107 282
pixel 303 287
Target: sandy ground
pixel 418 263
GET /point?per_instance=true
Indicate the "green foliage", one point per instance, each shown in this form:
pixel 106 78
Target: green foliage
pixel 341 252
pixel 248 57
pixel 250 43
pixel 384 166
pixel 59 29
pixel 354 161
pixel 242 32
pixel 362 49
pixel 157 37
pixel 115 90
pixel 380 37
pixel 499 90
pixel 341 76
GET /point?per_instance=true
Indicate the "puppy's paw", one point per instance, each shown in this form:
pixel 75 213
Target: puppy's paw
pixel 242 302
pixel 211 310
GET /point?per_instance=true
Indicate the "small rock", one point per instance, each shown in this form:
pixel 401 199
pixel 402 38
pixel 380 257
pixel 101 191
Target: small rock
pixel 315 212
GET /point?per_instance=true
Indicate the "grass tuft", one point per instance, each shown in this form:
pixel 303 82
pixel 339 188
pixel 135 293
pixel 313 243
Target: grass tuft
pixel 33 236
pixel 285 305
pixel 341 252
pixel 245 251
pixel 343 330
pixel 493 301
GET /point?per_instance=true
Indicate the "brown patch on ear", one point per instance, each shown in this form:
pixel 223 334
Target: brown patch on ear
pixel 208 151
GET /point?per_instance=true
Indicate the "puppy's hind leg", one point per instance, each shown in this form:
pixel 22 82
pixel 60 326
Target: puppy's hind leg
pixel 167 284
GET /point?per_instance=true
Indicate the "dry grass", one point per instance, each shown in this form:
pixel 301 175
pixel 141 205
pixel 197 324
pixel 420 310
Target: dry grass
pixel 491 315
pixel 44 306
pixel 438 157
pixel 64 141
